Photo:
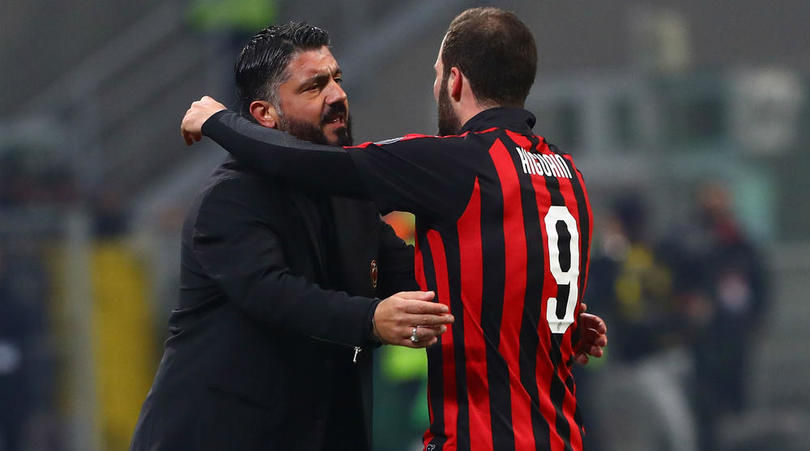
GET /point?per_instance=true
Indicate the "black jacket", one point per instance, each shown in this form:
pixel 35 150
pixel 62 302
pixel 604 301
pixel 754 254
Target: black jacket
pixel 259 354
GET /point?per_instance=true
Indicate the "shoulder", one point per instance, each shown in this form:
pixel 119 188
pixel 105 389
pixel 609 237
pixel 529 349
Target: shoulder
pixel 232 180
pixel 230 193
pixel 417 141
pixel 553 147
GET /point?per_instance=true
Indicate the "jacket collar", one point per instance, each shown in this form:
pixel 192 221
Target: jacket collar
pixel 515 119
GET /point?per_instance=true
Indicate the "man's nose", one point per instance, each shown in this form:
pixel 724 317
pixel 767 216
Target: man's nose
pixel 335 93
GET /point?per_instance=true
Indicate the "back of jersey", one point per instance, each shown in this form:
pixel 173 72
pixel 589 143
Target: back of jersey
pixel 512 268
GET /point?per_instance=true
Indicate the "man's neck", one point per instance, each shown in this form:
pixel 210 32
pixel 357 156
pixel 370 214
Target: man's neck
pixel 465 114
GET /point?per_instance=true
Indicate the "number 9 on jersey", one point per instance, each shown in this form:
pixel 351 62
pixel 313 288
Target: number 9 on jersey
pixel 568 277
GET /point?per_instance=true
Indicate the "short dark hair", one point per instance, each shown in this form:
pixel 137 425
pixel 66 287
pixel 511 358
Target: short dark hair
pixel 495 51
pixel 261 66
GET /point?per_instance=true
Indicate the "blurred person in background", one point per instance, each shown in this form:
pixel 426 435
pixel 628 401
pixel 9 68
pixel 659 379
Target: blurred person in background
pixel 503 235
pixel 30 379
pixel 644 378
pixel 721 283
pixel 264 353
pixel 25 373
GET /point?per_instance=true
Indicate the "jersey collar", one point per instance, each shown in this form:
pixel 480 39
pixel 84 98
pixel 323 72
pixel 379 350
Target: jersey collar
pixel 515 119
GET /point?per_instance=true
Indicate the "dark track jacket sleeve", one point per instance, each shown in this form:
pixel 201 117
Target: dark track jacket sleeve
pixel 396 263
pixel 426 175
pixel 234 242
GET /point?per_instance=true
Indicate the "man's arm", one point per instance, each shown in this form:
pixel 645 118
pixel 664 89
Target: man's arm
pixel 236 246
pixel 429 176
pixel 313 167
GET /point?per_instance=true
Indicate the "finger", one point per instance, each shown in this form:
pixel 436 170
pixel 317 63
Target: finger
pixel 600 325
pixel 601 343
pixel 424 336
pixel 424 308
pixel 582 359
pixel 429 333
pixel 417 295
pixel 588 335
pixel 408 343
pixel 421 343
pixel 593 322
pixel 589 338
pixel 593 337
pixel 424 343
pixel 193 137
pixel 429 320
pixel 592 347
pixel 438 330
pixel 429 330
pixel 584 307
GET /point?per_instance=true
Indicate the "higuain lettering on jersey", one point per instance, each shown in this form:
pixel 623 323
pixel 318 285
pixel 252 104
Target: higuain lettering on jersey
pixel 543 164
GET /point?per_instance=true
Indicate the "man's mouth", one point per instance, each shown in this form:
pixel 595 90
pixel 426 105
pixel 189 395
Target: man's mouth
pixel 338 119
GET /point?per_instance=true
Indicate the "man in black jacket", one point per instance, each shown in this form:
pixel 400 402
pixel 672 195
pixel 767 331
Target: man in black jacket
pixel 263 353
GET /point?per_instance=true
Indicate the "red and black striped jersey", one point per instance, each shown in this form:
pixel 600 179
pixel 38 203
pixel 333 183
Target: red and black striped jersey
pixel 503 227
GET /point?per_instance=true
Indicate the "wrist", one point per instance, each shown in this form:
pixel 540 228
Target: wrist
pixel 373 334
pixel 208 123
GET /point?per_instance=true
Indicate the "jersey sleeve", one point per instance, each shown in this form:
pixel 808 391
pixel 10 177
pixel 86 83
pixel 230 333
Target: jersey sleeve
pixel 426 175
pixel 274 154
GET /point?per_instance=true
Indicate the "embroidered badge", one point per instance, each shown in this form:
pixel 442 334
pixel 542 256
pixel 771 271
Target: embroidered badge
pixel 373 273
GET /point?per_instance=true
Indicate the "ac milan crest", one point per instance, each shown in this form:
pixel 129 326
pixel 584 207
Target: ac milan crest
pixel 373 273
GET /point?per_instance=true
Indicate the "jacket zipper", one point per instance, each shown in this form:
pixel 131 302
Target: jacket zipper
pixel 357 349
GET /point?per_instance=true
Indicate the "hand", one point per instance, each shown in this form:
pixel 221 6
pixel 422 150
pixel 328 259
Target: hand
pixel 197 114
pixel 397 315
pixel 593 336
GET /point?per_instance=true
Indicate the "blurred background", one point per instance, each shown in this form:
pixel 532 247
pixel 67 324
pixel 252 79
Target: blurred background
pixel 690 120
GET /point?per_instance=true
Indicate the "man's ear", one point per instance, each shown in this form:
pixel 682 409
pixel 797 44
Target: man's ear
pixel 455 83
pixel 264 113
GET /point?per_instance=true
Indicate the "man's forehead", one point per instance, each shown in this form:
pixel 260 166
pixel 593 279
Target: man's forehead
pixel 306 63
pixel 438 62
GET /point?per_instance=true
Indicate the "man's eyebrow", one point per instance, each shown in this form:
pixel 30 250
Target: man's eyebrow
pixel 322 77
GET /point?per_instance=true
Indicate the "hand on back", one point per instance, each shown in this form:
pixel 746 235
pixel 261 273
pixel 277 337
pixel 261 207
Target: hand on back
pixel 411 314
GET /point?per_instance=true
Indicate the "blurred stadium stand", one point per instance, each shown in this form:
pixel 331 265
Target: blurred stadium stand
pixel 654 99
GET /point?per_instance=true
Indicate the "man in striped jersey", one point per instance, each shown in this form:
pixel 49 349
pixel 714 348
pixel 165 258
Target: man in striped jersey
pixel 503 236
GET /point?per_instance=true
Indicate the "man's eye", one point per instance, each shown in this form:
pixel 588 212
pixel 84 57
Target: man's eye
pixel 339 80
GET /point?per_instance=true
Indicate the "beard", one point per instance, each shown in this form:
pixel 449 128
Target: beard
pixel 449 123
pixel 314 132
